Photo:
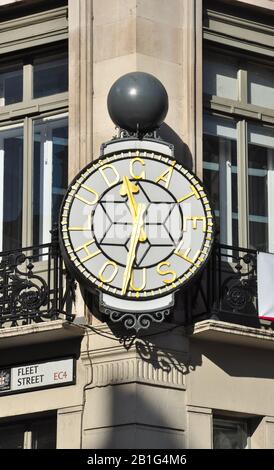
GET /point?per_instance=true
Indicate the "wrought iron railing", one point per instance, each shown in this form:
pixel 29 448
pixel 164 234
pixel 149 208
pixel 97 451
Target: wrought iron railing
pixel 34 285
pixel 227 288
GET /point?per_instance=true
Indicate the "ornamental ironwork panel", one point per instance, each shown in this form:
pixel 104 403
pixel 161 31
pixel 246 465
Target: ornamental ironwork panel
pixel 34 285
pixel 227 289
pixel 237 280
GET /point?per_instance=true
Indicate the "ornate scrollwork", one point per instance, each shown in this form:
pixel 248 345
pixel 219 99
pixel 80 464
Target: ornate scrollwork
pixel 136 321
pixel 27 296
pixel 238 297
pixel 124 134
pixel 239 286
pixel 227 289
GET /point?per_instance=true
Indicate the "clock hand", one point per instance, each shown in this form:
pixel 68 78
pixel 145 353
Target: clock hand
pixel 135 238
pixel 128 189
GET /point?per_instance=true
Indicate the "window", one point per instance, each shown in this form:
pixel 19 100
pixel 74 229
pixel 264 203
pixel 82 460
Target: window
pixel 50 75
pixel 33 144
pixel 239 146
pixel 11 84
pixel 29 434
pixel 50 170
pixel 230 434
pixel 220 174
pixel 11 183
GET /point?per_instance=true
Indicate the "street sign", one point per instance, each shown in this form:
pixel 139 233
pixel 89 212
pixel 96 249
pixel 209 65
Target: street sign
pixel 37 375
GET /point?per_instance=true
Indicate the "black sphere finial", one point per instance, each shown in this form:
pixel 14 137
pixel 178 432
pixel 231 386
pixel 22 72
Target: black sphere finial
pixel 137 102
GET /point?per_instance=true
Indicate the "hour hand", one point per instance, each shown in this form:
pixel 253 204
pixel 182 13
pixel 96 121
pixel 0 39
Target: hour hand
pixel 129 189
pixel 134 240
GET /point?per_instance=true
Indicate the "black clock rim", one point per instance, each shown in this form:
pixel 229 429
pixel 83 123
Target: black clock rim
pixel 93 288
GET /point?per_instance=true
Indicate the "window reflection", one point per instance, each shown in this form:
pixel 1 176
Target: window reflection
pixel 220 175
pixel 260 85
pixel 44 437
pixel 220 77
pixel 12 437
pixel 11 84
pixel 50 171
pixel 261 187
pixel 29 434
pixel 229 434
pixel 11 180
pixel 50 75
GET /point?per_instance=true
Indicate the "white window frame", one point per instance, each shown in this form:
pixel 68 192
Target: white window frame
pixel 225 178
pixel 242 112
pixel 270 185
pixel 46 170
pixel 26 113
pixel 2 162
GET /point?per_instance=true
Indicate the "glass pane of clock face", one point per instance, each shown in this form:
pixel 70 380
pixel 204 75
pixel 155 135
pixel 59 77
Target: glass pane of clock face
pixel 136 225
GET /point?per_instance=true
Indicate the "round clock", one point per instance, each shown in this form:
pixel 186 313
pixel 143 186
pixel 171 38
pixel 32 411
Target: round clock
pixel 136 225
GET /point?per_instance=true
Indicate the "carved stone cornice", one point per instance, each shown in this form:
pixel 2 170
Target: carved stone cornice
pixel 148 360
pixel 138 371
pixel 33 30
pixel 253 36
pixel 239 21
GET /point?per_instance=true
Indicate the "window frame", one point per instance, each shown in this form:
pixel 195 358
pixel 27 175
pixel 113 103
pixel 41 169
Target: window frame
pixel 243 113
pixel 226 29
pixel 226 420
pixel 47 177
pixel 29 105
pixel 25 113
pixel 28 425
pixel 35 29
pixel 28 124
pixel 225 178
pixel 239 107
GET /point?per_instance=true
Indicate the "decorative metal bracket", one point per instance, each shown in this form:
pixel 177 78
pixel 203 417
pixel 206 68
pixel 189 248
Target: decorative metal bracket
pixel 137 321
pixel 136 315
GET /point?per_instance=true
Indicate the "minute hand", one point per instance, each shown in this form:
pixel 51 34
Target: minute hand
pixel 128 189
pixel 134 240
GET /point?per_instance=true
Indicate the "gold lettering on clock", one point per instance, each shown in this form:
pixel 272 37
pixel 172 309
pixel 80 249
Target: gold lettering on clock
pixel 166 272
pixel 90 190
pixel 184 255
pixel 131 169
pixel 111 168
pixel 166 175
pixel 195 219
pixel 144 280
pixel 108 279
pixel 85 247
pixel 193 192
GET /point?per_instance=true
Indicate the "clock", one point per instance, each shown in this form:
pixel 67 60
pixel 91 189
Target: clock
pixel 136 225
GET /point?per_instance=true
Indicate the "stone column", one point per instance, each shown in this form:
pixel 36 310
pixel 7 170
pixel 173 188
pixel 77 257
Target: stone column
pixel 114 54
pixel 136 396
pixel 80 84
pixel 199 428
pixel 80 97
pixel 192 80
pixel 269 432
pixel 69 432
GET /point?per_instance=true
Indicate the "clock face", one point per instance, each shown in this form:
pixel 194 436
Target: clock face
pixel 136 225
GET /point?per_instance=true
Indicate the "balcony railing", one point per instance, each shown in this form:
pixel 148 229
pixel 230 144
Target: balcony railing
pixel 34 285
pixel 227 289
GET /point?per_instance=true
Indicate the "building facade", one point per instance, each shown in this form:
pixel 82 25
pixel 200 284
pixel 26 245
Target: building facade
pixel 204 377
